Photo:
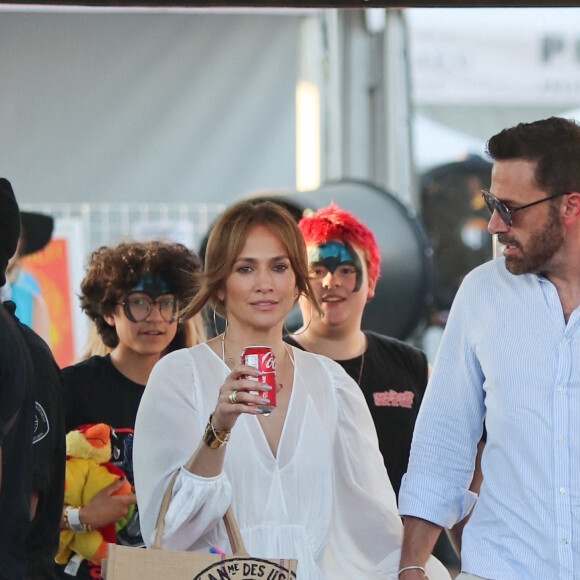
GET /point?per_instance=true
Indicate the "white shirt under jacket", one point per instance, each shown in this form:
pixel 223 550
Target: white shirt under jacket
pixel 325 499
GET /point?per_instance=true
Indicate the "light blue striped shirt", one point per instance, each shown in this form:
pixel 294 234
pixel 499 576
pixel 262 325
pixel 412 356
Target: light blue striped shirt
pixel 507 356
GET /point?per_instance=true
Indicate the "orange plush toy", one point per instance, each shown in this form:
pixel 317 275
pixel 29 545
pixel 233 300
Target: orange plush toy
pixel 88 470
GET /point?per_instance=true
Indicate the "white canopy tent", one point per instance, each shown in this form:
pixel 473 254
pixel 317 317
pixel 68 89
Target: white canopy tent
pixel 479 70
pixel 437 144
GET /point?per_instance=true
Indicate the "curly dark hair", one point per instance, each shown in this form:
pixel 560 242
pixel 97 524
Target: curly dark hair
pixel 113 271
pixel 552 144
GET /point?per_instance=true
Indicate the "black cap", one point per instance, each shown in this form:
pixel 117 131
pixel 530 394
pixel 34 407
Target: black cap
pixel 9 226
pixel 36 231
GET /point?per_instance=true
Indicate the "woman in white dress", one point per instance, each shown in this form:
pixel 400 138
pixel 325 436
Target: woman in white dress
pixel 306 481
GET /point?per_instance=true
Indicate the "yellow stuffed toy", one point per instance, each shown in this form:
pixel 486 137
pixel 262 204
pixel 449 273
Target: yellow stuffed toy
pixel 88 471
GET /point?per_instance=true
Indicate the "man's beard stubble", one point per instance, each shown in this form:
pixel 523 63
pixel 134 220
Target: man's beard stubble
pixel 540 247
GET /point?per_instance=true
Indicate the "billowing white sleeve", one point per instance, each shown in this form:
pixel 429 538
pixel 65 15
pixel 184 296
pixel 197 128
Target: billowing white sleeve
pixel 366 532
pixel 366 527
pixel 169 426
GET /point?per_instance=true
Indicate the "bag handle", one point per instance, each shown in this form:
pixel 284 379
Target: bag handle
pixel 236 541
pixel 232 528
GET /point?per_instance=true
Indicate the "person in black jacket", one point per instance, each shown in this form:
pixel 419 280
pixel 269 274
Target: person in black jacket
pixel 16 414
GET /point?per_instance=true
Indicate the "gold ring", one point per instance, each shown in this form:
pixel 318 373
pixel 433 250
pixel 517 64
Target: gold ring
pixel 233 398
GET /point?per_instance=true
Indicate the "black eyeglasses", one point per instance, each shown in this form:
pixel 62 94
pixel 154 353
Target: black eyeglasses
pixel 138 308
pixel 505 211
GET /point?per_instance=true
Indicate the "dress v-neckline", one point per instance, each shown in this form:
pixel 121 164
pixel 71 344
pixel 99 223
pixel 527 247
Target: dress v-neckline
pixel 253 421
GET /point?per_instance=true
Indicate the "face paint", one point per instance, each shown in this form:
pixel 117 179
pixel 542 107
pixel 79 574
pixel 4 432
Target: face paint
pixel 334 254
pixel 153 285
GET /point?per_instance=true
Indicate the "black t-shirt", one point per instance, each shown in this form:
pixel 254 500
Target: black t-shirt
pixel 96 392
pixel 16 424
pixel 393 381
pixel 48 455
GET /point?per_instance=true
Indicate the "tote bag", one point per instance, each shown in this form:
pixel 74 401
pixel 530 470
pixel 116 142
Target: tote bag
pixel 156 563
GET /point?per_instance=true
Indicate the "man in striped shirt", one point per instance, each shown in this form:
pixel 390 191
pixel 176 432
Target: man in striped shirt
pixel 510 357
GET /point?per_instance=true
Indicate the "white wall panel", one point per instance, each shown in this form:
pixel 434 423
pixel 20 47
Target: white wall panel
pixel 126 107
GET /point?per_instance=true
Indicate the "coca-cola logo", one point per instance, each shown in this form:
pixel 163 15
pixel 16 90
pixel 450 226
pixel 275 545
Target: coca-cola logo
pixel 268 362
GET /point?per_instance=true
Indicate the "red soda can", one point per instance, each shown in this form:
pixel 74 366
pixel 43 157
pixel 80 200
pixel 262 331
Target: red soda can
pixel 263 359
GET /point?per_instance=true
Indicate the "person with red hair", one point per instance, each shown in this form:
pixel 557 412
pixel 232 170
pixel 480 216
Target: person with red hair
pixel 344 265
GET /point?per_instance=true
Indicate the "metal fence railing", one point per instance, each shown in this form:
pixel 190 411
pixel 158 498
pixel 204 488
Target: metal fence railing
pixel 108 223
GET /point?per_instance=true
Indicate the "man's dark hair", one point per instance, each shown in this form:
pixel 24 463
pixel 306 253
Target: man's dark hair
pixel 552 144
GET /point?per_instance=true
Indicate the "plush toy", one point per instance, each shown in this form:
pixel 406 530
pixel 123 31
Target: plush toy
pixel 88 470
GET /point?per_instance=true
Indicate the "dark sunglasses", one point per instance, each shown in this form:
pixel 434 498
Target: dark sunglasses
pixel 505 211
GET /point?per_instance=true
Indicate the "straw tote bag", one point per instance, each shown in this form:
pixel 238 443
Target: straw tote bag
pixel 156 563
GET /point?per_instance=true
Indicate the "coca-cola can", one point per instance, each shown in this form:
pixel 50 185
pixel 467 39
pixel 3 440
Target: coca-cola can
pixel 263 359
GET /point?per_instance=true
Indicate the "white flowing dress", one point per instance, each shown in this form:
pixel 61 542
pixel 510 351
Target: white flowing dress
pixel 324 499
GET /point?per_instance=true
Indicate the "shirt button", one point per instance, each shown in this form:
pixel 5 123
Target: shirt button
pixel 560 439
pixel 562 490
pixel 564 542
pixel 563 339
pixel 560 387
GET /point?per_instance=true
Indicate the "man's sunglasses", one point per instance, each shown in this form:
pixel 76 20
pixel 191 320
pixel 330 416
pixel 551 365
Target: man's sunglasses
pixel 505 211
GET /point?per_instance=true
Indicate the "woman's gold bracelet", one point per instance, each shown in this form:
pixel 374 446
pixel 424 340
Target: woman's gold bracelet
pixel 215 439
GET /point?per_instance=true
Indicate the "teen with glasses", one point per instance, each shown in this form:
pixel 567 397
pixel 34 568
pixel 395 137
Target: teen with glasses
pixel 133 293
pixel 509 356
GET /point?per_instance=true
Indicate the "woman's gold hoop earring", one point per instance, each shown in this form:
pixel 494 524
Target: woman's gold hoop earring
pixel 215 326
pixel 306 327
pixel 214 322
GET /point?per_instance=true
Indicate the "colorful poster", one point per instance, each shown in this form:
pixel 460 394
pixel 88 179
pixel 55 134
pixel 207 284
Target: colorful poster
pixel 49 267
pixel 56 269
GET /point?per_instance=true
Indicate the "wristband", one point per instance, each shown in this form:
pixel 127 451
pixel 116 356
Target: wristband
pixel 72 519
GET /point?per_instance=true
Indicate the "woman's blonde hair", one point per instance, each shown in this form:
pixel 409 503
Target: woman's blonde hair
pixel 94 344
pixel 192 329
pixel 227 239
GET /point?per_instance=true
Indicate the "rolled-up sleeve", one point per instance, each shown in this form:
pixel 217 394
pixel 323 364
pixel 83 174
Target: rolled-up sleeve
pixel 448 428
